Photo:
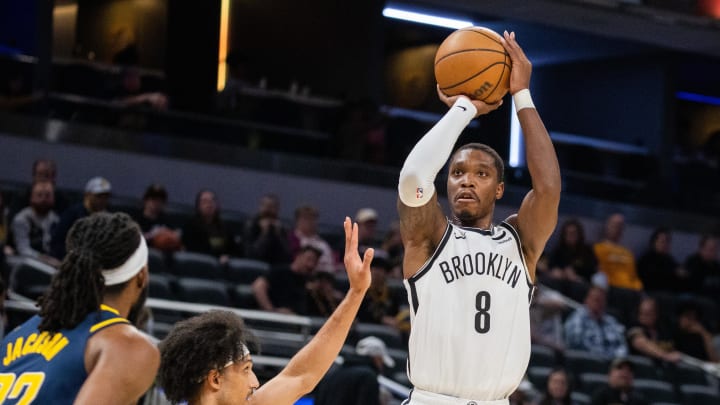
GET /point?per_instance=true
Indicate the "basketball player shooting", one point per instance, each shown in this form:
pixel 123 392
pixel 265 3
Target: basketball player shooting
pixel 469 279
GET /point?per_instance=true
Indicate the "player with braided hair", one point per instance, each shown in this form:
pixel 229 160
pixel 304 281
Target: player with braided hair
pixel 81 348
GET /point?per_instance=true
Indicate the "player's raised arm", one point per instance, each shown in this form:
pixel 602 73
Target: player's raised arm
pixel 422 222
pixel 309 365
pixel 538 213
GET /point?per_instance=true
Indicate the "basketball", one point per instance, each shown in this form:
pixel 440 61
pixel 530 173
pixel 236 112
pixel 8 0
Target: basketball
pixel 472 61
pixel 166 240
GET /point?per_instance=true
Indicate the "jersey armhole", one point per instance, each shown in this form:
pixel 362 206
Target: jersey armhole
pixel 516 236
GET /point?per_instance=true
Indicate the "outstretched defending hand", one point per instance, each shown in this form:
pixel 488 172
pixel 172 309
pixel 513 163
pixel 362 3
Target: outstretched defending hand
pixel 521 66
pixel 481 106
pixel 358 270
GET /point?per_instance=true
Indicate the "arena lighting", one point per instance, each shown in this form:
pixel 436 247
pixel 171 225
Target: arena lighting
pixel 223 44
pixel 698 98
pixel 422 18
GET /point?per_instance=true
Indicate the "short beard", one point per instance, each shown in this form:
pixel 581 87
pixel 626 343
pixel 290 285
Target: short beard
pixel 464 217
pixel 137 308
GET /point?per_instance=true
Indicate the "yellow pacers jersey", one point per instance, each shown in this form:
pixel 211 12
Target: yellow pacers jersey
pixel 470 321
pixel 40 368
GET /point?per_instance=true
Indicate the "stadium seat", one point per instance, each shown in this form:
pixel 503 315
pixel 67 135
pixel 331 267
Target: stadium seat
pixel 579 398
pixel 341 282
pixel 542 356
pixel 245 271
pixel 538 376
pixel 387 334
pixel 156 261
pixel 625 301
pixel 578 361
pixel 203 291
pixel 30 277
pixel 161 287
pixel 197 265
pixel 689 375
pixel 644 367
pixel 655 390
pixel 699 395
pixel 243 297
pixel 590 382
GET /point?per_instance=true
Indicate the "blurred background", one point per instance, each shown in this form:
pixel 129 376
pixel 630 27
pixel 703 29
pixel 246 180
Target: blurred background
pixel 318 103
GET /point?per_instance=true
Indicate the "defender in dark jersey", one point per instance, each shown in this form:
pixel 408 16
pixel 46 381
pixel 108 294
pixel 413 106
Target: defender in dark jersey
pixel 81 348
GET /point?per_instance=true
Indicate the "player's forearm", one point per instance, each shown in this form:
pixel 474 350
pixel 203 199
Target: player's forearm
pixel 313 360
pixel 540 154
pixel 417 177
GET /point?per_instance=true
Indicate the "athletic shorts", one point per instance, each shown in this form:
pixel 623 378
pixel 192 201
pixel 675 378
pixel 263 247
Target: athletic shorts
pixel 420 397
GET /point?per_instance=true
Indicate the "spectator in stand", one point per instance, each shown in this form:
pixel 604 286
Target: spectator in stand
pixel 615 260
pixel 206 232
pixel 648 338
pixel 355 381
pixel 657 268
pixel 572 258
pixel 322 296
pixel 96 199
pixel 703 265
pixel 42 170
pixel 591 329
pixel 266 237
pixel 16 93
pixel 557 390
pixel 4 270
pixel 4 229
pixel 284 290
pixel 691 337
pixel 380 305
pixel 392 244
pixel 3 297
pixel 546 318
pixel 131 92
pixel 367 219
pixel 154 223
pixel 32 227
pixel 620 386
pixel 305 232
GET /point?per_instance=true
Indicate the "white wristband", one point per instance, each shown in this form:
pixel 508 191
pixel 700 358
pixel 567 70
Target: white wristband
pixel 522 100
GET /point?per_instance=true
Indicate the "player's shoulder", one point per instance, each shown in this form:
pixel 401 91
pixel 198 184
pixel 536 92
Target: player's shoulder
pixel 512 220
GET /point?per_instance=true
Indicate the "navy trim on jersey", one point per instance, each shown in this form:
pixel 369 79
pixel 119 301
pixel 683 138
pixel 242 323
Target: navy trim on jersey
pixel 512 230
pixel 476 230
pixel 498 237
pixel 423 270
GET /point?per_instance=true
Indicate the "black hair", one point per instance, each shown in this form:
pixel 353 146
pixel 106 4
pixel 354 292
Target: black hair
pixel 196 346
pixel 216 216
pixel 499 164
pixel 155 191
pixel 99 241
pixel 49 162
pixel 562 242
pixel 547 398
pixel 656 234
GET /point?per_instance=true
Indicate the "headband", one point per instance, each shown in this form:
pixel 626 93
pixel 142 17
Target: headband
pixel 130 268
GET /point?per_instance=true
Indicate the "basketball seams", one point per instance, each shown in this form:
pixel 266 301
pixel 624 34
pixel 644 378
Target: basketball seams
pixel 470 50
pixel 483 33
pixel 476 75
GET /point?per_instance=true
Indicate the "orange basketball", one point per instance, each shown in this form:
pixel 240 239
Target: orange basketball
pixel 472 61
pixel 166 240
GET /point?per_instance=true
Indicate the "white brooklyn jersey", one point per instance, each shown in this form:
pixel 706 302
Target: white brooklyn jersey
pixel 470 321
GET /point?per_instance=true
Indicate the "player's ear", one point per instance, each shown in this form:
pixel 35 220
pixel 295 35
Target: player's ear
pixel 213 380
pixel 499 190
